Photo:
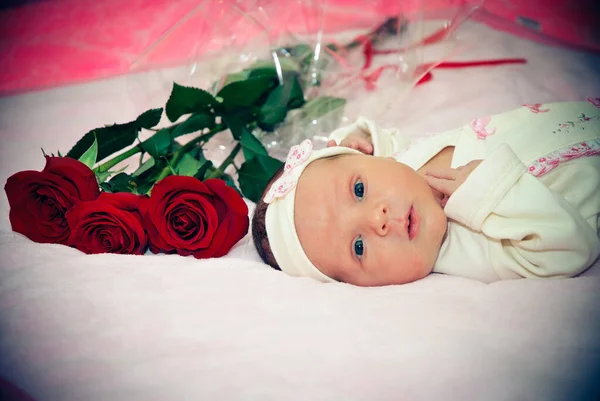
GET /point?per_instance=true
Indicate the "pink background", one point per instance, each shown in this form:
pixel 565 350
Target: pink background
pixel 57 42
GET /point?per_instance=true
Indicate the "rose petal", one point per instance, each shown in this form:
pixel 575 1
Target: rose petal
pixel 77 173
pixel 39 200
pixel 189 216
pixel 217 240
pixel 207 219
pixel 236 229
pixel 29 211
pixel 101 226
pixel 229 195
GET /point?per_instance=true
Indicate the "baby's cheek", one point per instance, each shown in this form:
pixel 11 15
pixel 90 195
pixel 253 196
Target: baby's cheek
pixel 420 264
pixel 414 267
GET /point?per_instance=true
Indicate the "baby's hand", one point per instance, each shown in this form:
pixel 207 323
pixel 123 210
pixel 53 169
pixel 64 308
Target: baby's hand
pixel 357 140
pixel 447 180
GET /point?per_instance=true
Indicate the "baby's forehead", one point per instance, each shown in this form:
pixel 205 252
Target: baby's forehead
pixel 317 216
pixel 345 163
pixel 335 161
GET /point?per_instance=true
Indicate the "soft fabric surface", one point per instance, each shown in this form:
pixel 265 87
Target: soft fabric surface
pixel 78 327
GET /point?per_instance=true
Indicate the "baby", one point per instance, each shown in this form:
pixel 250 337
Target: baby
pixel 508 196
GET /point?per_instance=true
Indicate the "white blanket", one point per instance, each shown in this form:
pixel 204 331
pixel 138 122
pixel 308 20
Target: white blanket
pixel 107 327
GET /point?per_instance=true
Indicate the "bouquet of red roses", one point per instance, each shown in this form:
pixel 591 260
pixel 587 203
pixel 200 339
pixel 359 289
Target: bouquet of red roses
pixel 62 204
pixel 176 201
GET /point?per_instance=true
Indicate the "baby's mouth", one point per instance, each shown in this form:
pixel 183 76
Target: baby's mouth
pixel 413 225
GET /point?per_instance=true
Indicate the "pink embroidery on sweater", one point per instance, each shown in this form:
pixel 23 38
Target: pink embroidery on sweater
pixel 595 101
pixel 479 126
pixel 535 108
pixel 579 121
pixel 544 165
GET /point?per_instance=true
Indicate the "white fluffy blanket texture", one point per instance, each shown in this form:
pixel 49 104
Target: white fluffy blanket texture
pixel 158 327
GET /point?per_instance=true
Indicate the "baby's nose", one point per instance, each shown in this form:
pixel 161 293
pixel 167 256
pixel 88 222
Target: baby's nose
pixel 380 220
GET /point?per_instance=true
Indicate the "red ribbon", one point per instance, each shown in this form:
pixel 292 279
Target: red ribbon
pixel 372 77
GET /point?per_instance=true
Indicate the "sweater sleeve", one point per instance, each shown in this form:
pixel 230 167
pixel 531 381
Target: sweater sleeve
pixel 532 231
pixel 386 141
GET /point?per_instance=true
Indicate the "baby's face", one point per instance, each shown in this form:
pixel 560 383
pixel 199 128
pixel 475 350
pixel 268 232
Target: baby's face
pixel 368 221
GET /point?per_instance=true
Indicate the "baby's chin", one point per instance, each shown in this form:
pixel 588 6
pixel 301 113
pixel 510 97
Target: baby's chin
pixel 439 236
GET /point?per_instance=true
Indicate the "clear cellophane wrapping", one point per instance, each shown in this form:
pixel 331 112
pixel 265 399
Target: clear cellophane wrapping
pixel 347 54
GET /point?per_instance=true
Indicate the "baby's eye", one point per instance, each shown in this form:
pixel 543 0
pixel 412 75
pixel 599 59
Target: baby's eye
pixel 359 247
pixel 359 189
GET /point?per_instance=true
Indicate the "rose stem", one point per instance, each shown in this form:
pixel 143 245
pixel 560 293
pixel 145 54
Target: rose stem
pixel 139 148
pixel 117 159
pixel 221 169
pixel 186 148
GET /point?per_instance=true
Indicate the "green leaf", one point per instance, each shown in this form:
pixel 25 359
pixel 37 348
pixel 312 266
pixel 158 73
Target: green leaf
pixel 267 68
pixel 255 174
pixel 111 139
pixel 185 100
pixel 101 177
pixel 301 51
pixel 121 182
pixel 188 165
pixel 196 122
pixel 158 144
pixel 320 106
pixel 148 164
pixel 281 99
pixel 144 182
pixel 144 187
pixel 236 125
pixel 295 96
pixel 144 177
pixel 264 69
pixel 90 155
pixel 237 76
pixel 251 145
pixel 274 110
pixel 246 93
pixel 149 118
pixel 206 168
pixel 230 182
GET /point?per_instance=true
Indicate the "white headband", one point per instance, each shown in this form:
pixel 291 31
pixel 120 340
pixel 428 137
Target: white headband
pixel 279 218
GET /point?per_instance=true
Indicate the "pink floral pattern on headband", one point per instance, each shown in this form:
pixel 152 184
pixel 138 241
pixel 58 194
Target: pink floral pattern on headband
pixel 283 185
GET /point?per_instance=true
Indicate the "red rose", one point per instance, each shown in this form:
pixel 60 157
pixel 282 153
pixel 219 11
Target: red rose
pixel 191 217
pixel 112 223
pixel 39 200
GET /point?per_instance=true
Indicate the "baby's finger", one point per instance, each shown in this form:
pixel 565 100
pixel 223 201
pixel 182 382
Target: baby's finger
pixel 356 143
pixel 350 143
pixel 331 143
pixel 365 147
pixel 446 173
pixel 443 201
pixel 447 187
